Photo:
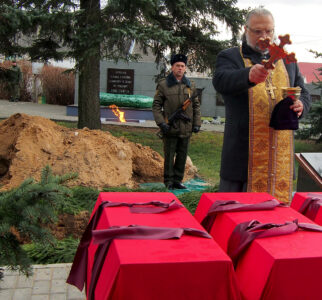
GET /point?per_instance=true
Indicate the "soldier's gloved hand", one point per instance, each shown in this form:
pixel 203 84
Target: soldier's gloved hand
pixel 164 127
pixel 196 129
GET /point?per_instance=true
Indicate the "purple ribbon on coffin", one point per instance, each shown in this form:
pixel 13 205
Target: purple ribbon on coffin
pixel 311 206
pixel 77 275
pixel 235 206
pixel 152 207
pixel 244 233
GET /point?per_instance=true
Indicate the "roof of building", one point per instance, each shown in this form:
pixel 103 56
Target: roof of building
pixel 310 72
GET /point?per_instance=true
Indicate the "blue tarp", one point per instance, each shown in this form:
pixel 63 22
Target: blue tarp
pixel 192 185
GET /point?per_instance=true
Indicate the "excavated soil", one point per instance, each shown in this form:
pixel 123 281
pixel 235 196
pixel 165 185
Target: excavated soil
pixel 29 143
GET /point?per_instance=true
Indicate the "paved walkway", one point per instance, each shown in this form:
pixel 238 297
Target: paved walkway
pixel 48 282
pixel 54 112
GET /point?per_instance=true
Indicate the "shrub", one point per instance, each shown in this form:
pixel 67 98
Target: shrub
pixel 58 85
pixel 312 128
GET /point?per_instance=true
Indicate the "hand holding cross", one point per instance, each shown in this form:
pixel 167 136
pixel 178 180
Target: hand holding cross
pixel 276 51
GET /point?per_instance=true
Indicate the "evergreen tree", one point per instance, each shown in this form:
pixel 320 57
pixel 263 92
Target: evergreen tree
pixel 23 213
pixel 88 32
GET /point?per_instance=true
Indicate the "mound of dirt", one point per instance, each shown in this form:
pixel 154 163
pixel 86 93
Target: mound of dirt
pixel 29 143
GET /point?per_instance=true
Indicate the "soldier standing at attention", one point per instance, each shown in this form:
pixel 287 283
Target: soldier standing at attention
pixel 171 93
pixel 15 82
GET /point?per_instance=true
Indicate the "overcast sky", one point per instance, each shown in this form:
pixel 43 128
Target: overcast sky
pixel 301 19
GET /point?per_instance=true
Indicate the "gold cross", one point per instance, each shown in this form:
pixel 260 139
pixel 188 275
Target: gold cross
pixel 269 86
pixel 270 89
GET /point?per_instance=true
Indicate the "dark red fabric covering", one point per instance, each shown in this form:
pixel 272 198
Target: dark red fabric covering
pixel 77 276
pixel 284 267
pixel 185 268
pixel 245 233
pixel 309 204
pixel 220 206
pixel 104 237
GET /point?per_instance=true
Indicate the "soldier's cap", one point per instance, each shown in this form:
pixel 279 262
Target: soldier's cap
pixel 178 58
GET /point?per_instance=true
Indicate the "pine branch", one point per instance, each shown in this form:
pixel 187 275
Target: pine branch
pixel 25 211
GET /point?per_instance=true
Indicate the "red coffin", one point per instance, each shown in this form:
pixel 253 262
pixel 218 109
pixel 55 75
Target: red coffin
pixel 315 214
pixel 186 268
pixel 285 267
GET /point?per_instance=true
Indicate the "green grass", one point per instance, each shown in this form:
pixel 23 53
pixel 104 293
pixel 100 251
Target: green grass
pixel 191 200
pixel 67 124
pixel 205 153
pixel 144 136
pixel 307 146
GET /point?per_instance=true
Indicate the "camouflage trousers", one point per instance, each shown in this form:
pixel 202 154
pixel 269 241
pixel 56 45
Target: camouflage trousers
pixel 175 156
pixel 14 92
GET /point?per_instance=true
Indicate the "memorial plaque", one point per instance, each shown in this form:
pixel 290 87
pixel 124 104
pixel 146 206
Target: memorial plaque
pixel 120 81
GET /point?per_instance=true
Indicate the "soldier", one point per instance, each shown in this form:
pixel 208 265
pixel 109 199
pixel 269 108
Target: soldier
pixel 15 82
pixel 171 93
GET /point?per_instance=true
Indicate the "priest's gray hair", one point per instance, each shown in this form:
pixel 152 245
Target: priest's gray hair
pixel 259 11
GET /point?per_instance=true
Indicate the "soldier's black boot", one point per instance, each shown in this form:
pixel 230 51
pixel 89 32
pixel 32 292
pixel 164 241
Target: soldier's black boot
pixel 178 185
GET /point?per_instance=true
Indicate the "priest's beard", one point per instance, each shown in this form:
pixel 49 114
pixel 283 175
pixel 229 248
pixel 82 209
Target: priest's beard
pixel 255 47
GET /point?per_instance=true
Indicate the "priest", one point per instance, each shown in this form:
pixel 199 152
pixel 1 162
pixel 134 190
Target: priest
pixel 255 156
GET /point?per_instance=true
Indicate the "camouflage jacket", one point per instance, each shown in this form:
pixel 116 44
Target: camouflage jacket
pixel 170 95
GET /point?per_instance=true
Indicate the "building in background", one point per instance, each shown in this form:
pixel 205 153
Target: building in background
pixel 143 76
pixel 311 74
pixel 310 71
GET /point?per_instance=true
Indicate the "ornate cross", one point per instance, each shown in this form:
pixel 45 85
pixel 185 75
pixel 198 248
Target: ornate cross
pixel 270 88
pixel 276 51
